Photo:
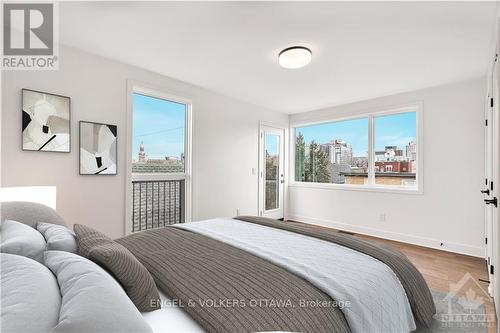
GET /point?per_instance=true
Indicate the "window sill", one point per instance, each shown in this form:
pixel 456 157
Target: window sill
pixel 362 188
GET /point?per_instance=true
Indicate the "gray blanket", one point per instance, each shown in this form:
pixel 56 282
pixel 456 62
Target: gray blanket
pixel 416 288
pixel 226 289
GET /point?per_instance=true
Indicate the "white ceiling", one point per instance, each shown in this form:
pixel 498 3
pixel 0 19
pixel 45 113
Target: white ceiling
pixel 360 50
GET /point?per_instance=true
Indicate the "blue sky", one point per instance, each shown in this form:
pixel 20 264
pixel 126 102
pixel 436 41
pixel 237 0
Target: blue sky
pixel 160 124
pixel 392 130
pixel 272 141
pixel 395 130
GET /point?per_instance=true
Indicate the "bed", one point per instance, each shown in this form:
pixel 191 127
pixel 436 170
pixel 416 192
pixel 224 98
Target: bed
pixel 252 274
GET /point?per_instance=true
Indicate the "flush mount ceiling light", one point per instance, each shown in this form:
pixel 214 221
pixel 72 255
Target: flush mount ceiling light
pixel 295 57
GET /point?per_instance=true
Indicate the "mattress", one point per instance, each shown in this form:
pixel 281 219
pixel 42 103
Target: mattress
pixel 172 319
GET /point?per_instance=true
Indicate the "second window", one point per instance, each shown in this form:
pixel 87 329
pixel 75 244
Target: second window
pixel 374 150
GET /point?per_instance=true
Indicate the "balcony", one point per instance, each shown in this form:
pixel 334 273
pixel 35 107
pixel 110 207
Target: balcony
pixel 157 203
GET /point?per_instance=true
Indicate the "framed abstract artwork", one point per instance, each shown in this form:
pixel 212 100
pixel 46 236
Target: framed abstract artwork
pixel 98 148
pixel 45 122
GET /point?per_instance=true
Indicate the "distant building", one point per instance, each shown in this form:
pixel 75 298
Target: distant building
pixel 339 155
pixel 142 154
pixel 390 153
pixel 337 151
pixel 381 178
pixel 393 166
pixel 411 150
pixel 171 164
pixel 359 164
pixel 338 171
pixel 379 155
pixel 340 152
pixel 325 148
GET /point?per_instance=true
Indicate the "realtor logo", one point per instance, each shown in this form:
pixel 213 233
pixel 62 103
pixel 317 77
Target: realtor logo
pixel 29 36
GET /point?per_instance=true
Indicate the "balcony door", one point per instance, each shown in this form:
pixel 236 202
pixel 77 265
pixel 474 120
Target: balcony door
pixel 271 173
pixel 158 182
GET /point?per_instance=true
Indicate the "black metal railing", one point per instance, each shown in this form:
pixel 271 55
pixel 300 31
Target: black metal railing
pixel 157 203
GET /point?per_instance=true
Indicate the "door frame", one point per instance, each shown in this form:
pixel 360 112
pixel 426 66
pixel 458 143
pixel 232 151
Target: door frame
pixel 260 174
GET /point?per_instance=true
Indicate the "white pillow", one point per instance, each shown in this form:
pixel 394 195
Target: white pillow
pixel 30 295
pixel 58 237
pixel 92 300
pixel 21 239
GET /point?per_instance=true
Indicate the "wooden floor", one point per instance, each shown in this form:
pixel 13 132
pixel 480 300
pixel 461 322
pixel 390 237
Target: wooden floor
pixel 441 269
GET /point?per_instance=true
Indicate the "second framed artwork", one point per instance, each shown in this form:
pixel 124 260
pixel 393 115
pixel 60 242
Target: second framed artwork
pixel 98 148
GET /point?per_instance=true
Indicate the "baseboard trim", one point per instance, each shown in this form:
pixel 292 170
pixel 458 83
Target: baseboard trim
pixel 405 238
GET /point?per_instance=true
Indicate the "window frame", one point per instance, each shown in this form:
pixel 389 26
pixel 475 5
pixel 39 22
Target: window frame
pixel 157 92
pixel 371 114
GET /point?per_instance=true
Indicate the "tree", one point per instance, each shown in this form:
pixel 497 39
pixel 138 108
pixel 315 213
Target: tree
pixel 300 158
pixel 323 172
pixel 317 168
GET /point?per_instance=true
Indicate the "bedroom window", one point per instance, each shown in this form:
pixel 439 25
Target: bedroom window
pixel 326 152
pixel 396 149
pixel 376 151
pixel 159 160
pixel 158 139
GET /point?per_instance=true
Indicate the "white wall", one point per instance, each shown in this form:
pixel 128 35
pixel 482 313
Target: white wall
pixel 225 148
pixel 450 210
pixel 225 141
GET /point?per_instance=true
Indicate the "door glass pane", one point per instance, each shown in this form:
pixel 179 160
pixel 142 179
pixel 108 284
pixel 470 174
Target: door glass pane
pixel 396 149
pixel 158 135
pixel 272 177
pixel 335 152
pixel 158 148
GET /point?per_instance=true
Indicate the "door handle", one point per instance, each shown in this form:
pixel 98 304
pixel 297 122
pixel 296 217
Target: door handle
pixel 487 191
pixel 491 201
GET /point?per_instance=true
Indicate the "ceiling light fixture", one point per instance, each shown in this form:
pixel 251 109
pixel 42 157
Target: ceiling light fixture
pixel 295 57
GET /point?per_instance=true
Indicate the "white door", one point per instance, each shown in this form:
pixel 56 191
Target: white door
pixel 492 163
pixel 488 181
pixel 272 172
pixel 494 230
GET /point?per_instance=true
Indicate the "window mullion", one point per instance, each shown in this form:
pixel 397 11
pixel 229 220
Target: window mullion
pixel 371 150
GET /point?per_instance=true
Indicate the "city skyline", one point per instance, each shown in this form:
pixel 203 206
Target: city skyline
pixel 391 130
